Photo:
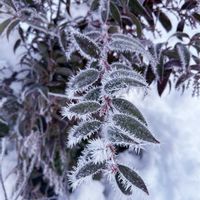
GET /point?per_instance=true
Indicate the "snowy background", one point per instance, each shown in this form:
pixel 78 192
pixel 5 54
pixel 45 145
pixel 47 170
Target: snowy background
pixel 171 170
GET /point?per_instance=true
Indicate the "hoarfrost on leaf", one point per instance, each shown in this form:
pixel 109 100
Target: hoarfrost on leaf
pixel 83 79
pixel 129 179
pixel 133 127
pixel 117 137
pixel 86 46
pixel 93 94
pixel 118 84
pixel 82 109
pixel 126 107
pixel 82 131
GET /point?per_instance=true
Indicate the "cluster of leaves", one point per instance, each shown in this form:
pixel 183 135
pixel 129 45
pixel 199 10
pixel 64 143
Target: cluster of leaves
pixel 104 120
pixel 139 17
pixel 100 55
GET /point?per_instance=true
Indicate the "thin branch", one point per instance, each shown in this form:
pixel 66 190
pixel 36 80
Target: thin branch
pixel 3 149
pixel 58 95
pixel 32 164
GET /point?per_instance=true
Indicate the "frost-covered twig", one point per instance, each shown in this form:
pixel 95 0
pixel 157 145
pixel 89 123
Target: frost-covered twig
pixel 3 149
pixel 26 177
pixel 106 120
pixel 58 95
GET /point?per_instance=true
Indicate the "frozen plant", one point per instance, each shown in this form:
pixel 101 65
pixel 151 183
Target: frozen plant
pixel 110 46
pixel 105 120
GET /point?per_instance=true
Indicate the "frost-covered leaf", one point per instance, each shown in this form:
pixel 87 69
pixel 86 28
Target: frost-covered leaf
pixel 184 55
pixel 133 127
pixel 137 23
pixel 124 43
pixel 89 169
pixel 82 131
pixel 127 73
pixel 83 171
pixel 183 78
pixel 35 88
pixel 129 178
pixel 86 46
pixel 115 12
pixel 121 185
pixel 93 35
pixel 4 25
pixel 104 9
pixel 117 84
pixel 126 107
pixel 81 109
pixel 83 79
pixel 11 27
pixel 138 9
pixel 95 5
pixel 119 66
pixel 93 94
pixel 98 151
pixel 117 137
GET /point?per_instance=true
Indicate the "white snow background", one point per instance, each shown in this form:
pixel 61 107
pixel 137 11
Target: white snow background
pixel 172 169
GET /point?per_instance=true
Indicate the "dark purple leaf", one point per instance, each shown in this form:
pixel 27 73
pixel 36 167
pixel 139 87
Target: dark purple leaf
pixel 180 26
pixel 164 20
pixel 183 78
pixel 161 85
pixel 189 4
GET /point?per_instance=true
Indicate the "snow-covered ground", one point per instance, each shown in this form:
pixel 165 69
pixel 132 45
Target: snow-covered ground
pixel 172 170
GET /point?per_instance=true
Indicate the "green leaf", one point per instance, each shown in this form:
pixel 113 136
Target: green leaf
pixel 65 71
pixel 11 27
pixel 4 129
pixel 118 138
pixel 118 84
pixel 4 25
pixel 95 5
pixel 136 21
pixel 132 177
pixel 133 127
pixel 84 79
pixel 84 108
pixel 83 131
pixel 115 12
pixel 124 43
pixel 86 46
pixel 119 66
pixel 121 185
pixel 137 8
pixel 127 73
pixel 126 107
pixel 93 95
pixel 89 169
pixel 105 10
pixel 196 16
